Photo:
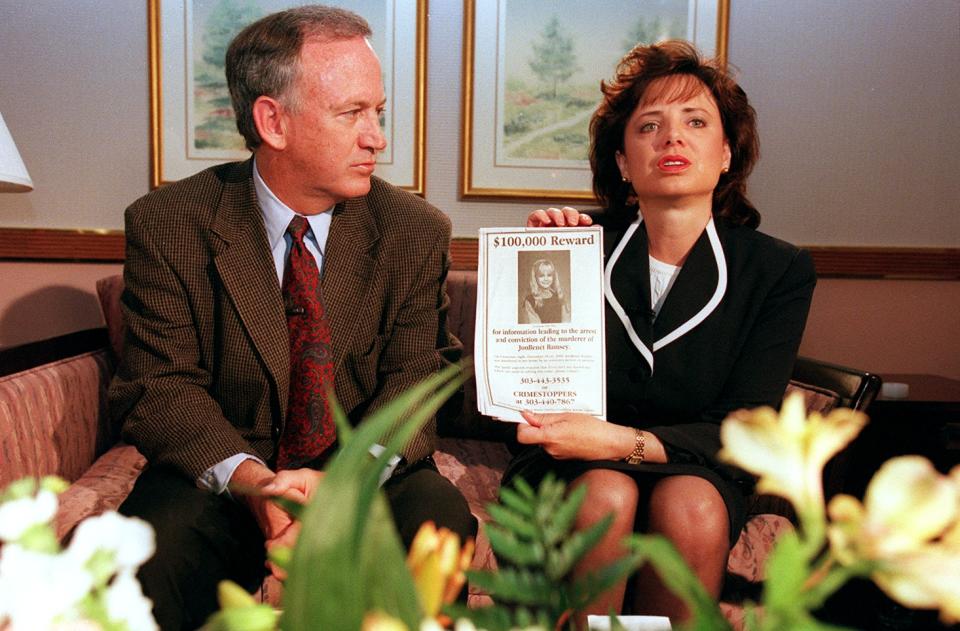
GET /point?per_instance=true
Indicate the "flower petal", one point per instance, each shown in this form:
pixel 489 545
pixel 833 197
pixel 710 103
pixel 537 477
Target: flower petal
pixel 909 503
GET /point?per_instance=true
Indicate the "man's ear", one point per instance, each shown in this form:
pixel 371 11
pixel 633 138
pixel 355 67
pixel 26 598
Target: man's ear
pixel 268 116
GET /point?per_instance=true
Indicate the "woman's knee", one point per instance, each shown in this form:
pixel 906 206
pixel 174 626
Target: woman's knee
pixel 689 509
pixel 608 492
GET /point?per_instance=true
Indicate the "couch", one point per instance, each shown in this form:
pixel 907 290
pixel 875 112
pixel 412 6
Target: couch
pixel 53 421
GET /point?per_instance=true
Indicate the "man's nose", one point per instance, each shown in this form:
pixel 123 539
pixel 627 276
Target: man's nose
pixel 372 136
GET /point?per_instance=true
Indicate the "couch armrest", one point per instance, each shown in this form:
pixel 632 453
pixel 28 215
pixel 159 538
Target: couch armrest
pixel 102 487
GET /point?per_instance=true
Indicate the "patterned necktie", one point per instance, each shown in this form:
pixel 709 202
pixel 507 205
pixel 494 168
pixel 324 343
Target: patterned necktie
pixel 309 430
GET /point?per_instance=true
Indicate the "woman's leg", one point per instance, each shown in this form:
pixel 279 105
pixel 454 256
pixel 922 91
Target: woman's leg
pixel 608 492
pixel 690 512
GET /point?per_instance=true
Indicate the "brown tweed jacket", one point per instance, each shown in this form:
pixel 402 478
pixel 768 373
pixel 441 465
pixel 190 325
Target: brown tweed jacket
pixel 205 370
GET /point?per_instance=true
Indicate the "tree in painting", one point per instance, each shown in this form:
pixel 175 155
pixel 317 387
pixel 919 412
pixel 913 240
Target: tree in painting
pixel 649 31
pixel 554 60
pixel 214 126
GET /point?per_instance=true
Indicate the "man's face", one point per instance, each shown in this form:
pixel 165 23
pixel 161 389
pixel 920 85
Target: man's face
pixel 333 126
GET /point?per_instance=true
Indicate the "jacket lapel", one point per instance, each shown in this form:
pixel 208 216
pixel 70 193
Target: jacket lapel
pixel 249 276
pixel 692 290
pixel 348 266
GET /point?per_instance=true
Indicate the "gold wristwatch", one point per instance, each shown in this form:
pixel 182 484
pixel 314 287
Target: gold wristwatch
pixel 636 456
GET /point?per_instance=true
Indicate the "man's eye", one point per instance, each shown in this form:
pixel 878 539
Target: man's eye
pixel 382 117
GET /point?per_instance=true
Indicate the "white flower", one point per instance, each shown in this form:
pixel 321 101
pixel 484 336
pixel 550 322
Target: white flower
pixel 126 603
pixel 16 516
pixel 788 451
pixel 36 588
pixel 128 539
pixel 905 528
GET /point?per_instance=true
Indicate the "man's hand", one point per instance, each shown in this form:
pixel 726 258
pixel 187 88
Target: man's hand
pixel 278 527
pixel 557 217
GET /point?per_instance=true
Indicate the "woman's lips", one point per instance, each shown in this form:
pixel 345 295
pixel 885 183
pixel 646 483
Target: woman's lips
pixel 673 164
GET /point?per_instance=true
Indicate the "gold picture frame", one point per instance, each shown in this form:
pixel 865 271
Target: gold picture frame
pixel 520 144
pixel 190 129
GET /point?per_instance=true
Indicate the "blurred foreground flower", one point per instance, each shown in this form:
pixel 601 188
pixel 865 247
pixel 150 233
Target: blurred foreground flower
pixel 789 450
pixel 905 534
pixel 438 565
pixel 91 584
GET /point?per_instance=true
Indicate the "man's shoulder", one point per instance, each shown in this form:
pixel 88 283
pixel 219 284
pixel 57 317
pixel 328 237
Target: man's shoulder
pixel 187 196
pixel 396 209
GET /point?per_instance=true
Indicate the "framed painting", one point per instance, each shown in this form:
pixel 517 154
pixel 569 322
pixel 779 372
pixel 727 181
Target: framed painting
pixel 192 125
pixel 532 72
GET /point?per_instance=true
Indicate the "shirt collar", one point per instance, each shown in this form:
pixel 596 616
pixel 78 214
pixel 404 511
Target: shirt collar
pixel 277 215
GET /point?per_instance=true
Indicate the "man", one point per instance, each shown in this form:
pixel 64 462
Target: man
pixel 205 388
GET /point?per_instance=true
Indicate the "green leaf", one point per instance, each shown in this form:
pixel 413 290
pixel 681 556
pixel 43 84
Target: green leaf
pixel 517 503
pixel 514 586
pixel 680 579
pixel 514 522
pixel 561 562
pixel 510 548
pixel 786 572
pixel 585 589
pixel 563 517
pixel 348 558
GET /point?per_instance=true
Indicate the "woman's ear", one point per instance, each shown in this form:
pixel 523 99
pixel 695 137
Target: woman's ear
pixel 268 116
pixel 727 155
pixel 622 165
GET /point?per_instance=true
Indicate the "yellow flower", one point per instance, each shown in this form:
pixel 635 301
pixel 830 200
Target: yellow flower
pixel 788 451
pixel 906 529
pixel 438 565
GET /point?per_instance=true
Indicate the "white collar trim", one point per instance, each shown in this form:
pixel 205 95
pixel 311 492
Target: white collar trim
pixel 687 326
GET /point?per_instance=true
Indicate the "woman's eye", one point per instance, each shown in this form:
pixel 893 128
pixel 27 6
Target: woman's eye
pixel 698 122
pixel 645 127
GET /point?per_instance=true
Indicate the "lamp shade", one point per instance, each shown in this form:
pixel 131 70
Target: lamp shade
pixel 13 174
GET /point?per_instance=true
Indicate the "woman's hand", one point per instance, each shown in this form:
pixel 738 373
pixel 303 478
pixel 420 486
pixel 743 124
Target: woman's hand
pixel 571 436
pixel 557 217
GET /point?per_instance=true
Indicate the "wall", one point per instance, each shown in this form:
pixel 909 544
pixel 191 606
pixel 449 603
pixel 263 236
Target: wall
pixel 857 117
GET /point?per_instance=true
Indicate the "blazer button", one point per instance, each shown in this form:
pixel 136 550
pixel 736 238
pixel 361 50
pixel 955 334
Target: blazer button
pixel 275 431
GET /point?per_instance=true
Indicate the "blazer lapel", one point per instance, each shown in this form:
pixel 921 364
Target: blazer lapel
pixel 250 278
pixel 630 282
pixel 692 290
pixel 348 266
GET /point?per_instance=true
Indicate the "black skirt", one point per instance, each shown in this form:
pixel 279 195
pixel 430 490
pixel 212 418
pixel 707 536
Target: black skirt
pixel 532 464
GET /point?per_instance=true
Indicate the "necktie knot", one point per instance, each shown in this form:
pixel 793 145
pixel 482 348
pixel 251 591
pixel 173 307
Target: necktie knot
pixel 298 228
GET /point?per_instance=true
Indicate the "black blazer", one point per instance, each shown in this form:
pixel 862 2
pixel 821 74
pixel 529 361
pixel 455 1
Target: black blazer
pixel 740 355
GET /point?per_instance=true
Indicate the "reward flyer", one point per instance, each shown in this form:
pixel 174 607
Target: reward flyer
pixel 539 339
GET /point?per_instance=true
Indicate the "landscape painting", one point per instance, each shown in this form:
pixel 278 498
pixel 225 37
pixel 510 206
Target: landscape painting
pixel 192 120
pixel 535 73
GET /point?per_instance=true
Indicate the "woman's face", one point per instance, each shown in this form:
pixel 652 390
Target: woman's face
pixel 545 276
pixel 674 148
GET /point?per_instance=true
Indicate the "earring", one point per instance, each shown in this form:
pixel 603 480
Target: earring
pixel 624 178
pixel 725 170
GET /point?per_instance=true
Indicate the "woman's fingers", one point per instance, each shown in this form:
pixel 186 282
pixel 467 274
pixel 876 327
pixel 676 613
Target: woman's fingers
pixel 557 217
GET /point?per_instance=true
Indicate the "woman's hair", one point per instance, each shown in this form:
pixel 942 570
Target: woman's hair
pixel 535 289
pixel 625 91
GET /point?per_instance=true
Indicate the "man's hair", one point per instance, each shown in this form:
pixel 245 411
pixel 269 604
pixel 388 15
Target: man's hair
pixel 264 58
pixel 621 96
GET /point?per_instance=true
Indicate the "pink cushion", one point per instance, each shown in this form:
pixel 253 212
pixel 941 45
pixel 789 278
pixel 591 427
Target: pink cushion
pixel 109 290
pixel 53 418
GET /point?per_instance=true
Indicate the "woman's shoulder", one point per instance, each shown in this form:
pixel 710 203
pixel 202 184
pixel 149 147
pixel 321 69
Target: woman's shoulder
pixel 750 248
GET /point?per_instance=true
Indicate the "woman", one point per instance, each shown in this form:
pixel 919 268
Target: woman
pixel 704 316
pixel 545 304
